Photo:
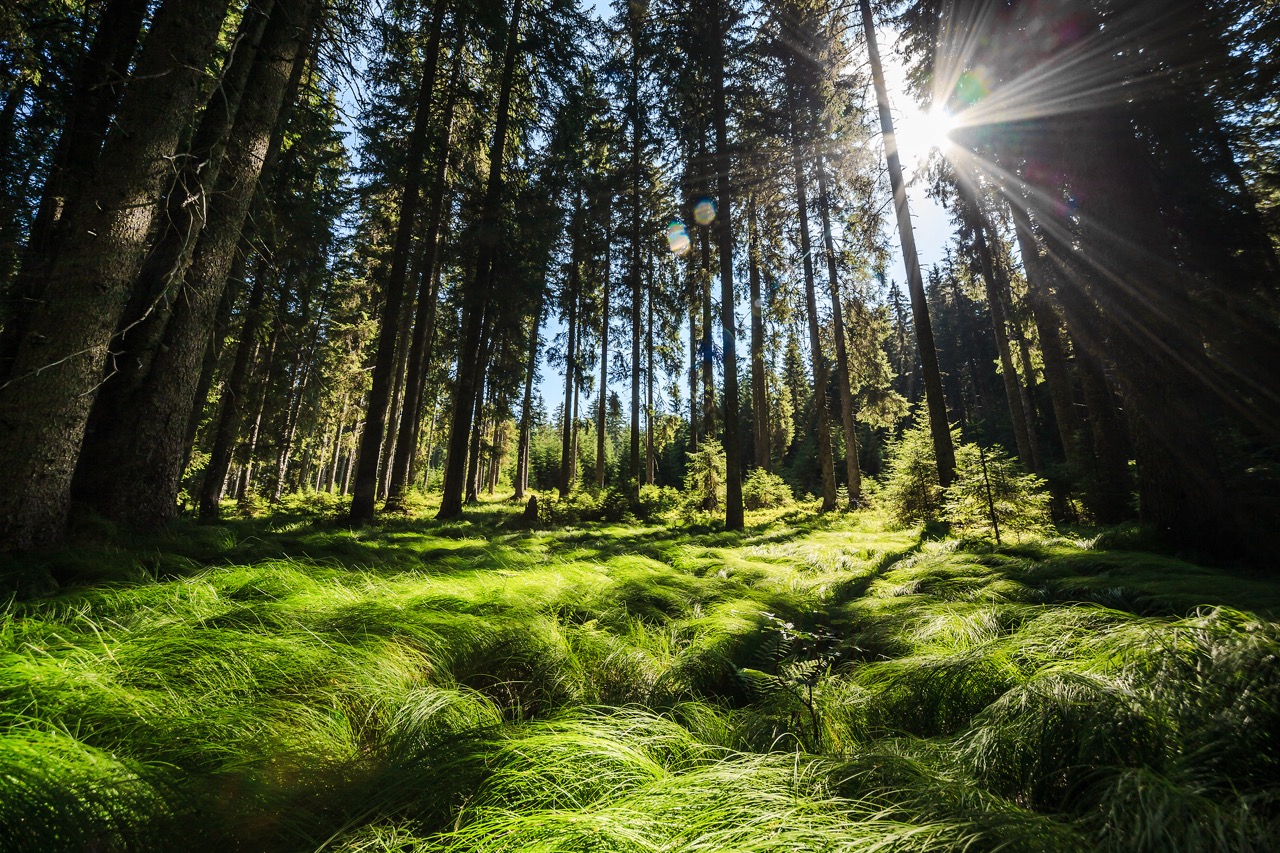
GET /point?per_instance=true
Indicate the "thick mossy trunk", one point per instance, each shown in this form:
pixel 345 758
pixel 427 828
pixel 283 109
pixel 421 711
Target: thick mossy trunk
pixel 140 486
pixel 60 359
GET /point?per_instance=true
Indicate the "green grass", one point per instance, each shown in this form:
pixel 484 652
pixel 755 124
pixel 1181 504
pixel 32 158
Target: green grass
pixel 814 683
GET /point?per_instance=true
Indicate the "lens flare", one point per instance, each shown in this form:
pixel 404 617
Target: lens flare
pixel 678 238
pixel 974 85
pixel 704 211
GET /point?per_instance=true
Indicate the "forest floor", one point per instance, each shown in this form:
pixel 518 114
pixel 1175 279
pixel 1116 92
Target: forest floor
pixel 812 684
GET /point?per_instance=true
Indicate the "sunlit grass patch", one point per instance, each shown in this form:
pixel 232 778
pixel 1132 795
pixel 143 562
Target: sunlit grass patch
pixel 814 683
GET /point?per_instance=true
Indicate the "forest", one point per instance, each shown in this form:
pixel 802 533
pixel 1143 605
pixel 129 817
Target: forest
pixel 530 425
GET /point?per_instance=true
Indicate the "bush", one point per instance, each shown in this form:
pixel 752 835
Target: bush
pixel 614 504
pixel 704 484
pixel 911 493
pixel 991 495
pixel 656 500
pixel 763 490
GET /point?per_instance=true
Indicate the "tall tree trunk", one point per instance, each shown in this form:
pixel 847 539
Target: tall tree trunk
pixel 1057 375
pixel 488 341
pixel 633 468
pixel 759 381
pixel 362 503
pixel 995 304
pixel 728 321
pixel 44 403
pixel 706 349
pixel 233 389
pixel 1027 388
pixel 213 353
pixel 332 478
pixel 396 411
pixel 650 462
pixel 496 454
pixel 158 285
pixel 820 370
pixel 149 310
pixel 302 371
pixel 478 294
pixel 1111 489
pixel 424 322
pixel 526 409
pixel 140 487
pixel 96 92
pixel 1147 317
pixel 574 467
pixel 694 425
pixel 637 153
pixel 249 448
pixel 473 452
pixel 603 397
pixel 842 353
pixel 939 428
pixel 570 374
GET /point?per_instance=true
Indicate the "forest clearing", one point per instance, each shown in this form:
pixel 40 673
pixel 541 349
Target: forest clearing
pixel 811 683
pixel 670 426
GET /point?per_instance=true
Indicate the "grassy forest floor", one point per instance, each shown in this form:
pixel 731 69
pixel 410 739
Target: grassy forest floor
pixel 813 684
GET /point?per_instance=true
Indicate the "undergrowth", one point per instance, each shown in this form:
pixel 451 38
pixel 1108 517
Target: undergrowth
pixel 815 683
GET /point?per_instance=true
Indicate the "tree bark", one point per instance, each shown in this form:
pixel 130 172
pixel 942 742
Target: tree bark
pixel 570 374
pixel 637 134
pixel 995 304
pixel 383 380
pixel 728 321
pixel 842 353
pixel 526 411
pixel 939 428
pixel 213 353
pixel 478 294
pixel 396 411
pixel 759 386
pixel 603 396
pixel 694 425
pixel 650 462
pixel 1057 374
pixel 706 350
pixel 233 389
pixel 96 92
pixel 421 349
pixel 820 370
pixel 44 404
pixel 147 442
pixel 149 310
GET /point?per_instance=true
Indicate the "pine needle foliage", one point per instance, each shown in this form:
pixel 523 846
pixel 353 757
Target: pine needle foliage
pixel 911 492
pixel 990 496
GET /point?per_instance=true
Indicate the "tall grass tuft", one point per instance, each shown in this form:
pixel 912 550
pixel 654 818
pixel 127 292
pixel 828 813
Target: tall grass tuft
pixel 823 684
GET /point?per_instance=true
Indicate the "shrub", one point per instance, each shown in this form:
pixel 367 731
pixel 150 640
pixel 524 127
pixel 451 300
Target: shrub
pixel 763 490
pixel 991 495
pixel 704 484
pixel 656 500
pixel 911 493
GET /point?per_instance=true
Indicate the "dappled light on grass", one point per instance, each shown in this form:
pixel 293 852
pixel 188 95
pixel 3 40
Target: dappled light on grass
pixel 813 683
